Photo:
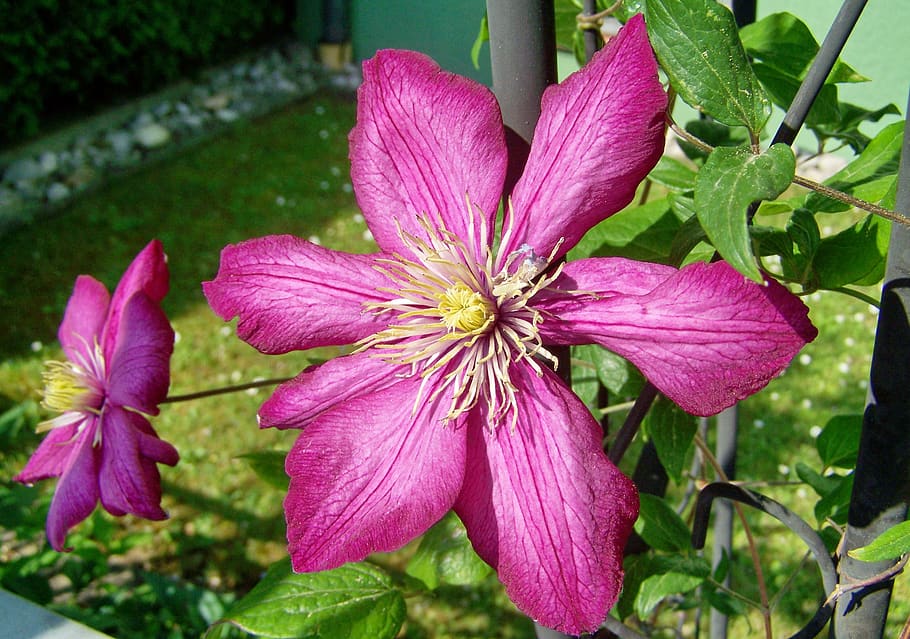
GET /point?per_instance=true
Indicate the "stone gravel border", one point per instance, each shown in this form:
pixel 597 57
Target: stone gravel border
pixel 45 175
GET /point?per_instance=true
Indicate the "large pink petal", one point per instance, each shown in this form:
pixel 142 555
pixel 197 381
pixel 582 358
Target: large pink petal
pixel 129 480
pixel 147 273
pixel 291 294
pixel 139 370
pixel 318 389
pixel 76 494
pixel 706 337
pixel 83 319
pixel 425 139
pixel 55 452
pixel 544 506
pixel 371 476
pixel 599 134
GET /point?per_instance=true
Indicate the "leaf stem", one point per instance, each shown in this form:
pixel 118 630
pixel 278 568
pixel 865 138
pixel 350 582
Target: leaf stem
pixel 827 191
pixel 170 399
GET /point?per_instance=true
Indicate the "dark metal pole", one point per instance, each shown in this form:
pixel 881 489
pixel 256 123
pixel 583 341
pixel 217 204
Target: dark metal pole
pixel 725 451
pixel 881 486
pixel 824 61
pixel 523 58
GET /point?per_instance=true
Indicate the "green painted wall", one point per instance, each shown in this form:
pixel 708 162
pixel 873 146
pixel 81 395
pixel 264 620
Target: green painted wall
pixel 444 30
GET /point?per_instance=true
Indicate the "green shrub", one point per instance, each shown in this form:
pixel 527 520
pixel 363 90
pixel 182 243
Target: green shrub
pixel 57 57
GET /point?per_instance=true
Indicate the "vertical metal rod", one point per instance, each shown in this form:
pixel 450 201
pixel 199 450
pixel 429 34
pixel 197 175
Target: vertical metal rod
pixel 824 61
pixel 725 451
pixel 881 486
pixel 523 59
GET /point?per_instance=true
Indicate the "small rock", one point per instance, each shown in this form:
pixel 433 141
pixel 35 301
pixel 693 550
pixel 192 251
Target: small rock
pixel 120 142
pixel 162 109
pixel 217 101
pixel 183 108
pixel 192 121
pixel 23 170
pixel 48 162
pixel 143 119
pixel 81 177
pixel 57 192
pixel 227 115
pixel 152 135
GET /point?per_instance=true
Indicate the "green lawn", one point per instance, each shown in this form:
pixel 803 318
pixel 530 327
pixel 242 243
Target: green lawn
pixel 288 173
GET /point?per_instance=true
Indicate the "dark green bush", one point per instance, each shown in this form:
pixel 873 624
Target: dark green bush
pixel 58 57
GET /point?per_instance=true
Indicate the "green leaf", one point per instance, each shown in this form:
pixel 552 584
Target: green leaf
pixel 891 544
pixel 483 35
pixel 688 237
pixel 712 133
pixel 673 174
pixel 660 526
pixel 869 177
pixel 856 255
pixel 784 42
pixel 628 9
pixel 846 128
pixel 730 180
pixel 671 575
pixel 565 12
pixel 637 232
pixel 355 600
pixel 672 431
pixel 782 88
pixel 445 556
pixel 697 44
pixel 615 373
pixel 838 443
pixel 268 466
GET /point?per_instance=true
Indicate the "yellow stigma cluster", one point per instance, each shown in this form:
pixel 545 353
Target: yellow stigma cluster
pixel 456 323
pixel 65 387
pixel 465 310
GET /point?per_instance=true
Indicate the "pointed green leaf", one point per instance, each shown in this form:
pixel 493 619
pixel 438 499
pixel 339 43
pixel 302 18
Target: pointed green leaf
pixel 671 575
pixel 838 443
pixel 268 466
pixel 673 174
pixel 869 177
pixel 445 556
pixel 615 373
pixel 697 44
pixel 731 179
pixel 784 42
pixel 355 600
pixel 856 255
pixel 891 544
pixel 637 232
pixel 660 526
pixel 671 430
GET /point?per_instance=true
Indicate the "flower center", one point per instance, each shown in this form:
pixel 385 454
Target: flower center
pixel 465 310
pixel 456 324
pixel 73 389
pixel 66 387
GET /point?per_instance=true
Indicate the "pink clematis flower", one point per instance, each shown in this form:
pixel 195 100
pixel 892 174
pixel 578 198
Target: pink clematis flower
pixel 448 402
pixel 101 446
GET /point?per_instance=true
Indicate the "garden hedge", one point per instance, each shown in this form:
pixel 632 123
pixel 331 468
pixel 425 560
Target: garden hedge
pixel 59 57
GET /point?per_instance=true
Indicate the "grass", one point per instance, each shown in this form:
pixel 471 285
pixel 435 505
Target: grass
pixel 288 173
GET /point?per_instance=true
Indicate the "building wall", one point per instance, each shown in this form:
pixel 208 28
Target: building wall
pixel 444 30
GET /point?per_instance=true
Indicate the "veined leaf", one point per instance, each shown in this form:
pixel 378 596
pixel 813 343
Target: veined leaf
pixel 445 556
pixel 891 544
pixel 697 44
pixel 660 526
pixel 671 575
pixel 671 430
pixel 731 179
pixel 355 600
